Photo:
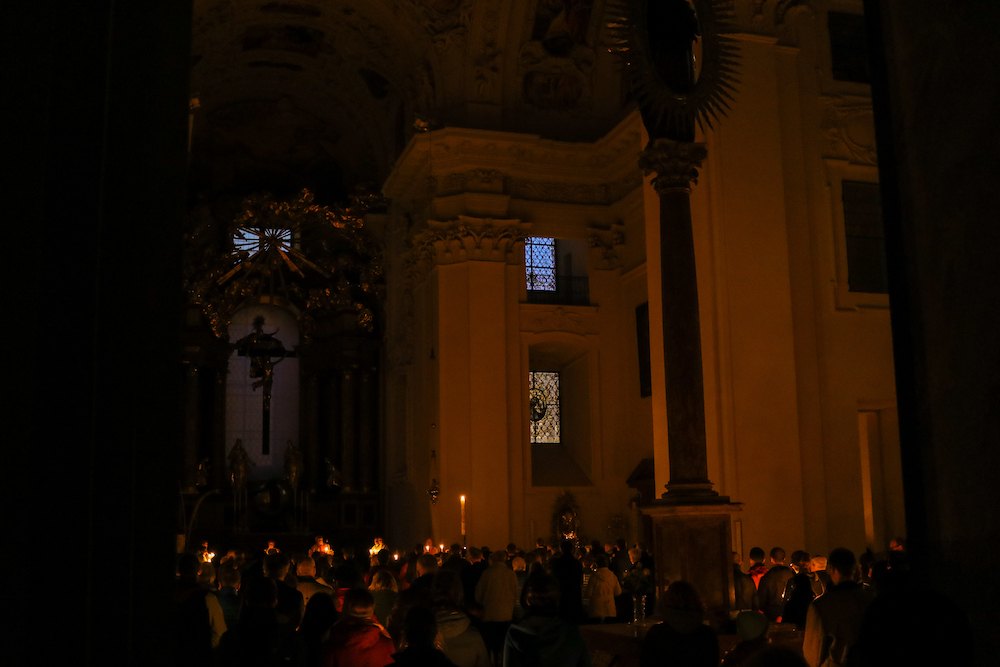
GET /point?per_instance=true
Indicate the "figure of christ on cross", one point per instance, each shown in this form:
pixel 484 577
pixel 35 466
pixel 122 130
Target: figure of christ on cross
pixel 265 352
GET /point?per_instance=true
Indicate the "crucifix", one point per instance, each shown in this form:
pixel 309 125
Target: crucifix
pixel 265 352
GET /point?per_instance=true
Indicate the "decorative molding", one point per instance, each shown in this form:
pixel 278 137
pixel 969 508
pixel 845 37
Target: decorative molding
pixel 675 163
pixel 478 239
pixel 536 318
pixel 601 194
pixel 849 129
pixel 486 63
pixel 606 247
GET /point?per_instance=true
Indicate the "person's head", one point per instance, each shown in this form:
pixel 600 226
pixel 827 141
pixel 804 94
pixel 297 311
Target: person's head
pixel 602 561
pixel 426 564
pixel 206 577
pixel 517 564
pixel 817 564
pixel 383 581
pixel 682 596
pixel 777 556
pixel 229 577
pixel 260 593
pixel 511 549
pixel 420 627
pixel 320 541
pixel 634 554
pixel 540 543
pixel 447 589
pixel 751 625
pixel 347 553
pixel 841 564
pixel 737 559
pixel 897 544
pixel 620 544
pixel 498 558
pixel 306 567
pixel 800 561
pixel 276 566
pixel 347 576
pixel 542 593
pixel 359 603
pixel 756 556
pixel 475 554
pixel 455 550
pixel 188 567
pixel 566 546
pixel 383 557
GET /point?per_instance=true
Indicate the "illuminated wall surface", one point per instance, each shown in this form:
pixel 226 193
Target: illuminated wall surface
pixel 516 239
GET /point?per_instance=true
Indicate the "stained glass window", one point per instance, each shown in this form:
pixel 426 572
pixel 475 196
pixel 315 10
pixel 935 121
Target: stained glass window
pixel 540 263
pixel 543 399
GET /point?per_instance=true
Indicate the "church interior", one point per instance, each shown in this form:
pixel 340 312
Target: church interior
pixel 395 269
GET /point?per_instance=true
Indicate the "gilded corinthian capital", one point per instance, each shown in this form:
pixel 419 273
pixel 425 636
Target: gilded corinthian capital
pixel 675 163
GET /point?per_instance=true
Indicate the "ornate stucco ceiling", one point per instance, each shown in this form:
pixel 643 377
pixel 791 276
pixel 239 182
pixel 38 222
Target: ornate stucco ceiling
pixel 324 93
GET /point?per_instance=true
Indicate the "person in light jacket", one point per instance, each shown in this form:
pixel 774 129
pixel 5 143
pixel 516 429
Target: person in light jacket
pixel 602 589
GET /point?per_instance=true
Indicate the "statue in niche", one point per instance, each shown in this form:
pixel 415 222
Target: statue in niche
pixel 566 518
pixel 241 463
pixel 332 474
pixel 201 476
pixel 568 525
pixel 293 465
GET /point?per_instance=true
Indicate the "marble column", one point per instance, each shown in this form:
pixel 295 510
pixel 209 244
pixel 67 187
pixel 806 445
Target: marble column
pixel 676 167
pixel 692 524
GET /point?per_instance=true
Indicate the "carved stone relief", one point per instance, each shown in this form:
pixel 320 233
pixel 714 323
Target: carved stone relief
pixel 447 21
pixel 486 62
pixel 462 240
pixel 556 63
pixel 540 319
pixel 606 247
pixel 849 129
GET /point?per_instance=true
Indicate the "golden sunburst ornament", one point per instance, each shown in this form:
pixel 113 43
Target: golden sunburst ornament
pixel 654 40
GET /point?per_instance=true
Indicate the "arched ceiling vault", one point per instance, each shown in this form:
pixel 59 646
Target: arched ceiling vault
pixel 306 90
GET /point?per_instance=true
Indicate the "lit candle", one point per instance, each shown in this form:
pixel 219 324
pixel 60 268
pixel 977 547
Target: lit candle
pixel 463 516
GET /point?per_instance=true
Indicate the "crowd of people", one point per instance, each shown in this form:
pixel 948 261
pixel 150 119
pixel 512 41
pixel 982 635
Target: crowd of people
pixel 481 608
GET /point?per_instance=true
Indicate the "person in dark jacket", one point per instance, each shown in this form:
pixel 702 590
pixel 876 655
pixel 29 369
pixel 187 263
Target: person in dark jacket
pixel 682 639
pixel 543 637
pixel 569 573
pixel 798 592
pixel 771 589
pixel 746 589
pixel 833 621
pixel 419 633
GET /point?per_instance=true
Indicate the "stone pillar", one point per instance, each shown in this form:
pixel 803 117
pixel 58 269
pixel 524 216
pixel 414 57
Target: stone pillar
pixel 309 414
pixel 192 419
pixel 331 408
pixel 676 166
pixel 348 429
pixel 220 471
pixel 692 527
pixel 367 415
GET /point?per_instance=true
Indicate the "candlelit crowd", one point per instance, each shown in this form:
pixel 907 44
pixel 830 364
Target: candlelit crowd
pixel 474 607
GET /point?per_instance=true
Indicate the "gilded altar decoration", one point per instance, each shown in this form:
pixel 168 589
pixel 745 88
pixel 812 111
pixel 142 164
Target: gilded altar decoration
pixel 318 261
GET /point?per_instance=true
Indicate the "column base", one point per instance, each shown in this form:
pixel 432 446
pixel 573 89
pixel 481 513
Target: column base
pixel 692 541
